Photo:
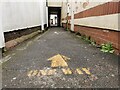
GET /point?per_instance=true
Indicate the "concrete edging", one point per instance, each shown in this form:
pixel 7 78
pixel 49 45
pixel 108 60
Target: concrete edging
pixel 13 43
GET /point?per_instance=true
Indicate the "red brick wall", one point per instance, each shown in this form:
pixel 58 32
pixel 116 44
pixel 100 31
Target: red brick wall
pixel 64 25
pixel 69 26
pixel 101 35
pixel 98 34
pixel 100 10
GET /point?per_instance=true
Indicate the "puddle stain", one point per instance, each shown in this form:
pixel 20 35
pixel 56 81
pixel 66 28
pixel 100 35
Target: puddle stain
pixel 56 33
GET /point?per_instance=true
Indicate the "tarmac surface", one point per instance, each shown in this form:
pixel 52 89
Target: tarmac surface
pixel 25 62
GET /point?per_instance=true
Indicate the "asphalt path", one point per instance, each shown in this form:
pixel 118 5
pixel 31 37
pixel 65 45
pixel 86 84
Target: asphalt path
pixel 26 62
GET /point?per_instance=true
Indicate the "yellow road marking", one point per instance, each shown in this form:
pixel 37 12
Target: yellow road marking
pixel 51 72
pixel 30 73
pixel 48 72
pixel 79 71
pixel 67 71
pixel 43 72
pixel 35 72
pixel 87 71
pixel 58 60
pixel 65 58
pixel 39 73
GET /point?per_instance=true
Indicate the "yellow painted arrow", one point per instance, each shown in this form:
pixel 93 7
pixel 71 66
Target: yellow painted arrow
pixel 59 61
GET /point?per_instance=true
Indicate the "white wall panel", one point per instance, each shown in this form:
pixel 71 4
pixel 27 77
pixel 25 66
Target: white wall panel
pixel 106 21
pixel 18 15
pixel 1 31
pixel 54 3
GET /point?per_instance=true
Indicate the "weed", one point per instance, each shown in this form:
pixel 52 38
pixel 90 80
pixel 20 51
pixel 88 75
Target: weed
pixel 104 47
pixel 93 42
pixel 83 37
pixel 88 39
pixel 107 48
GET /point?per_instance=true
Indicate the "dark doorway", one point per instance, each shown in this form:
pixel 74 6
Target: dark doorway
pixel 54 16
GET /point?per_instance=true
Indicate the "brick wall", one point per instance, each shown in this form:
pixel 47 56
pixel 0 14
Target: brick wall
pixel 100 35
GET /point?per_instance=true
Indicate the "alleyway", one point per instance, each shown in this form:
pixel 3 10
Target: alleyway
pixel 95 69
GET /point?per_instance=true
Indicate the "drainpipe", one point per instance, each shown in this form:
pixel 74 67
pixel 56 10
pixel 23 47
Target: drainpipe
pixel 67 13
pixel 67 21
pixel 72 17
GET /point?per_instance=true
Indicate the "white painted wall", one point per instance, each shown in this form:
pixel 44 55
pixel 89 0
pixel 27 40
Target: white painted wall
pixel 106 21
pixel 1 30
pixel 64 10
pixel 55 3
pixel 16 15
pixel 43 13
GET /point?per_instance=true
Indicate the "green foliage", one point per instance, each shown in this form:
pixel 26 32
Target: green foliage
pixel 67 29
pixel 93 42
pixel 88 39
pixel 83 37
pixel 107 48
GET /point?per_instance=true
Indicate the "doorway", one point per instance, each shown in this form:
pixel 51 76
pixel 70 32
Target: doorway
pixel 53 20
pixel 54 16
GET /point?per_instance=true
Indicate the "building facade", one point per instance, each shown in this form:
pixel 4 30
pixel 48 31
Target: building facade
pixel 98 20
pixel 17 17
